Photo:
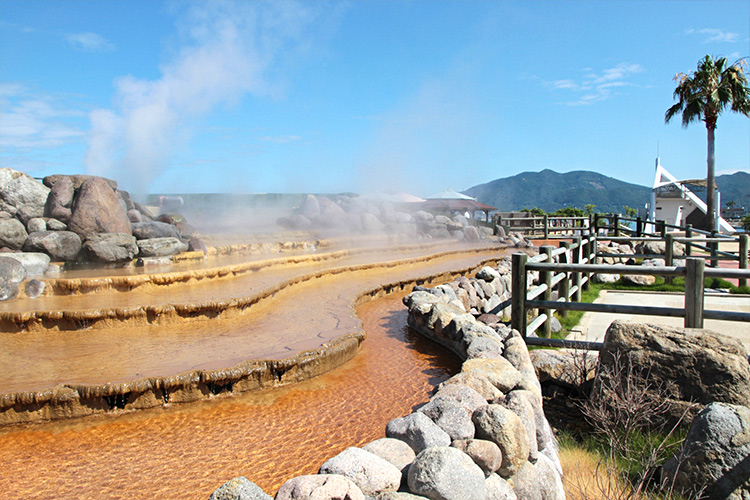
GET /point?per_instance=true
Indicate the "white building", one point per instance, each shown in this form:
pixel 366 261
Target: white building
pixel 674 203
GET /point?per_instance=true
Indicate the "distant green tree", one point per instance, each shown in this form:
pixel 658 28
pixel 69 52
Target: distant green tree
pixel 731 204
pixel 702 96
pixel 630 212
pixel 568 212
pixel 746 223
pixel 533 211
pixel 589 208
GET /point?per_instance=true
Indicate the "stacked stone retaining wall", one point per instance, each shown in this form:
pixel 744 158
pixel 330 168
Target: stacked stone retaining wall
pixel 483 434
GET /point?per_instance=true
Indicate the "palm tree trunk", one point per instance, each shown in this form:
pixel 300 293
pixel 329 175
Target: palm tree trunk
pixel 711 179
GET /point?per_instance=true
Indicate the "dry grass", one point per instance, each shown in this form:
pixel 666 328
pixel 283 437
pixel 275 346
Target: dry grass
pixel 586 477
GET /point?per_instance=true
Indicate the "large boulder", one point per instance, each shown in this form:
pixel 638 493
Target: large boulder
pixel 450 416
pixel 60 200
pixel 395 451
pixel 153 229
pixel 97 209
pixel 486 454
pixel 500 372
pixel 59 245
pixel 445 473
pixel 161 247
pixel 12 273
pixel 371 473
pixel 76 180
pixel 539 481
pixel 111 247
pixel 320 486
pixel 20 190
pixel 13 234
pixel 35 263
pixel 239 488
pixel 503 427
pixel 418 431
pixel 715 456
pixel 685 365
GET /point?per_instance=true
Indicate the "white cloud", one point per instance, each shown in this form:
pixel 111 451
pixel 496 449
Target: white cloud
pixel 227 49
pixel 33 120
pixel 714 35
pixel 89 42
pixel 595 86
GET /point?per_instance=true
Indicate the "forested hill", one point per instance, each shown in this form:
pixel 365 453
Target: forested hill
pixel 734 187
pixel 550 191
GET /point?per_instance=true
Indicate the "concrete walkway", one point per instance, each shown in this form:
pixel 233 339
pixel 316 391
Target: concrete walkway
pixel 593 326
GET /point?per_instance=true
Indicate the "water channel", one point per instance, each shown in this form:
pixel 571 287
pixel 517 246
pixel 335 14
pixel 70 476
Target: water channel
pixel 186 451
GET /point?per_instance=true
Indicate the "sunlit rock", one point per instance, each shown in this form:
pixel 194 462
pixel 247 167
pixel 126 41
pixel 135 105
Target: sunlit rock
pixel 160 247
pixel 239 488
pixel 18 189
pixel 59 245
pixel 110 247
pixel 322 486
pixel 371 473
pixel 60 200
pixel 445 473
pixel 500 425
pixel 97 209
pixel 13 234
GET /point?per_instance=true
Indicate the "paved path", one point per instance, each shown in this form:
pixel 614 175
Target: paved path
pixel 593 326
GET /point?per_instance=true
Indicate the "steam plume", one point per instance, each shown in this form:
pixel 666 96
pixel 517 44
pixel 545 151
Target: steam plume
pixel 228 46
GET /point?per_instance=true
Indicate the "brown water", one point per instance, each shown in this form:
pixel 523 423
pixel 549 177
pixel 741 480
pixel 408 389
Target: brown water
pixel 296 319
pixel 268 436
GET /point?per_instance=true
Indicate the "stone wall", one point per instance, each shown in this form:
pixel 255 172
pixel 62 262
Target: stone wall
pixel 483 434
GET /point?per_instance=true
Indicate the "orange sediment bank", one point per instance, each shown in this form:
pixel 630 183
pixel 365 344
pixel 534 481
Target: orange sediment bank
pixel 322 335
pixel 187 451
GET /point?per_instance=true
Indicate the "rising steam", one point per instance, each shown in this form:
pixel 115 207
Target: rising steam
pixel 228 47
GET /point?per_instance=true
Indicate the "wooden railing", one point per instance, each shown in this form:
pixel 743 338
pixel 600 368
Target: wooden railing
pixel 546 226
pixel 567 268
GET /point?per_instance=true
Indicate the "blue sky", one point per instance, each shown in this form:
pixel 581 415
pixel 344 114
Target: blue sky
pixel 315 96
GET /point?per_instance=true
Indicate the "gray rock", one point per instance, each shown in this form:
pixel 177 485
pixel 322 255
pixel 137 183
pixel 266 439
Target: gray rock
pixel 12 273
pixel 111 247
pixel 371 473
pixel 498 488
pixel 418 431
pixel 371 224
pixel 239 488
pixel 450 416
pixel 471 233
pixel 488 274
pixel 399 495
pixel 695 365
pixel 13 233
pixel 56 225
pixel 445 473
pixel 539 480
pixel 499 372
pixel 486 454
pixel 35 263
pixel 35 288
pixel 715 456
pixel 59 245
pixel 36 224
pixel 565 367
pixel 320 486
pixel 310 207
pixel 479 383
pixel 18 189
pixel 154 229
pixel 485 347
pixel 523 407
pixel 160 247
pixel 467 397
pixel 134 216
pixel 605 278
pixel 637 279
pixel 196 244
pixel 393 450
pixel 500 425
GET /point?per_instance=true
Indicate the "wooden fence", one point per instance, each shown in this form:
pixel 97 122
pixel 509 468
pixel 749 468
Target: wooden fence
pixel 569 267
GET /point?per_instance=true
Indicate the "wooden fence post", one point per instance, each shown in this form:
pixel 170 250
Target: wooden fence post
pixel 577 276
pixel 694 293
pixel 669 255
pixel 616 218
pixel 639 227
pixel 546 226
pixel 688 244
pixel 546 278
pixel 714 246
pixel 565 283
pixel 662 228
pixel 744 244
pixel 518 293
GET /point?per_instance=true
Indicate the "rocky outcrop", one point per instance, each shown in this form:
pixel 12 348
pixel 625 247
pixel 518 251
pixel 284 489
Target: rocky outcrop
pixel 59 245
pixel 700 366
pixel 13 234
pixel 714 460
pixel 21 192
pixel 110 247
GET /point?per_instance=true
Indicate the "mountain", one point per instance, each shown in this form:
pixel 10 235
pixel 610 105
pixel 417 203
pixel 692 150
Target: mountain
pixel 736 188
pixel 550 190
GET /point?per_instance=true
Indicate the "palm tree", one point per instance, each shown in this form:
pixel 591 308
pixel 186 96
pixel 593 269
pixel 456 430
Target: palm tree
pixel 703 95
